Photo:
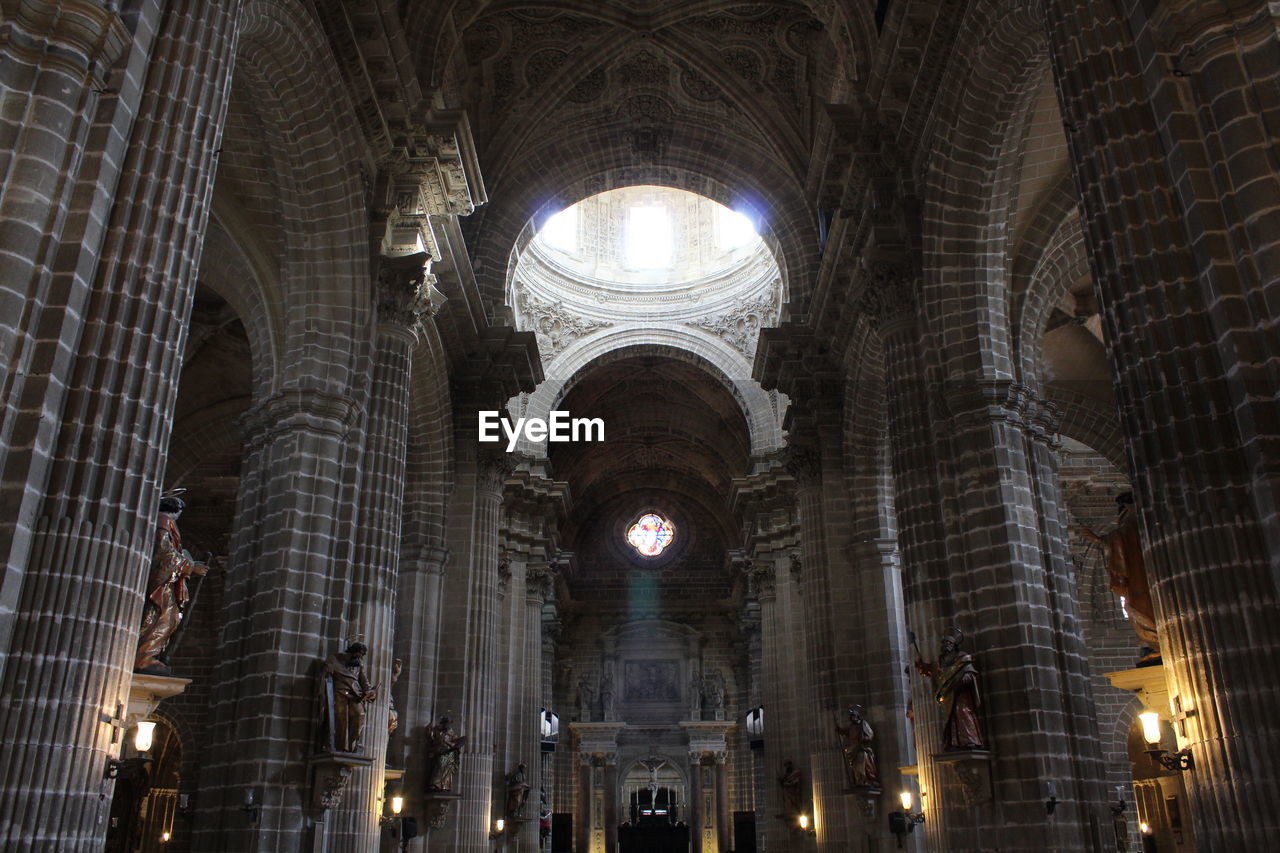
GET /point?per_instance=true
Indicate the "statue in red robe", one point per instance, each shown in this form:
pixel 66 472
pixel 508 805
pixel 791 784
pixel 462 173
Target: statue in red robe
pixel 167 593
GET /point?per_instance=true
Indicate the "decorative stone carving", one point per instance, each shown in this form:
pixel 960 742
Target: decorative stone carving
pixel 405 291
pixel 760 579
pixel 504 571
pixel 740 328
pixel 555 326
pixel 330 773
pixel 888 293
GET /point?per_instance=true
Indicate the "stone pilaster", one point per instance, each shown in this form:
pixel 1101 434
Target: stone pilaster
pixel 596 816
pixel 102 294
pixel 403 298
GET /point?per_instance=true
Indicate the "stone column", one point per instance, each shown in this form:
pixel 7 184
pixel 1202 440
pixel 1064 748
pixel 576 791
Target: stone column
pixel 1193 174
pixel 598 757
pixel 697 811
pixel 806 465
pixel 86 430
pixel 724 826
pixel 56 60
pixel 526 742
pixel 922 535
pixel 417 641
pixel 283 576
pixel 479 678
pixel 1008 587
pixel 402 299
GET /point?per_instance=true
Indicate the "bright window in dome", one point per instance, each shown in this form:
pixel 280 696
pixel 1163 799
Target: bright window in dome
pixel 649 238
pixel 651 534
pixel 735 229
pixel 561 230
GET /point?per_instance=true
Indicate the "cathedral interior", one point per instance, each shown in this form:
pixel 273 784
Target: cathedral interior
pixel 639 426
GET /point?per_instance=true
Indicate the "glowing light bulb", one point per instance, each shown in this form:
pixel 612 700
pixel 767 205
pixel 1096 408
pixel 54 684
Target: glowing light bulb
pixel 397 803
pixel 804 821
pixel 905 798
pixel 164 837
pixel 1144 828
pixel 500 825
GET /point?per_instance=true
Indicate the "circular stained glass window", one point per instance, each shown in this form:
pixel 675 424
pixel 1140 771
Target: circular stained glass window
pixel 651 534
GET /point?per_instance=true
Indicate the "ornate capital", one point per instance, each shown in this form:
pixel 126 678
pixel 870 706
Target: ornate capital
pixel 761 579
pixel 539 580
pixel 493 467
pixel 804 464
pixel 404 292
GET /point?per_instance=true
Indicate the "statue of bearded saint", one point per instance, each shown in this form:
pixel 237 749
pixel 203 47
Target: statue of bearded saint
pixel 348 694
pixel 955 682
pixel 167 594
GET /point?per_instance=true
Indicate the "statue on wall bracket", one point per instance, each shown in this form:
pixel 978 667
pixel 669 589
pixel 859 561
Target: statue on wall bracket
pixel 1127 573
pixel 168 599
pixel 955 681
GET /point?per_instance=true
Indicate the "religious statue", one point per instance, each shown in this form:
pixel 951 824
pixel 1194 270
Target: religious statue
pixel 859 757
pixel 517 791
pixel 607 694
pixel 715 694
pixel 347 694
pixel 443 748
pixel 167 595
pixel 1126 567
pixel 790 781
pixel 955 681
pixel 695 694
pixel 393 716
pixel 586 698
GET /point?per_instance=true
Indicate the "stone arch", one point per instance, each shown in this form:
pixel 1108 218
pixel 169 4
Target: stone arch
pixel 985 104
pixel 231 271
pixel 1090 421
pixel 324 268
pixel 1049 260
pixel 717 358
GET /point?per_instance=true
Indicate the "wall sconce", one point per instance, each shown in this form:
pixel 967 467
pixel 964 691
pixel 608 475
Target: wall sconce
pixel 396 805
pixel 806 825
pixel 1180 760
pixel 1051 803
pixel 904 822
pixel 130 767
pixel 252 806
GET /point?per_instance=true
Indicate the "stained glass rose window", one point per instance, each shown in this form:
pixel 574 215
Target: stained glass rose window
pixel 651 534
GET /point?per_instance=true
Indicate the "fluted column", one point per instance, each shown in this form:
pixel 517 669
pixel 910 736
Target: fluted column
pixel 402 299
pixel 525 741
pixel 54 62
pixel 826 763
pixel 86 429
pixel 417 638
pixel 278 624
pixel 1193 174
pixel 477 710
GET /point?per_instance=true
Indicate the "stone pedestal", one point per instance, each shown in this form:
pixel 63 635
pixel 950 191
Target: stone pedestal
pixel 146 692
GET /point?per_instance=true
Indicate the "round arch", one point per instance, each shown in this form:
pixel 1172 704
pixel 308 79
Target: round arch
pixel 716 357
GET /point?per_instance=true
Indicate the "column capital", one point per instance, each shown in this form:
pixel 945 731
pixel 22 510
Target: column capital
pixel 404 291
pixel 539 580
